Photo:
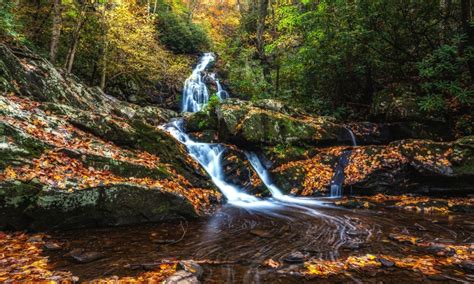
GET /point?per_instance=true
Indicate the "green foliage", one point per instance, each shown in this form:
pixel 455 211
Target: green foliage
pixel 445 77
pixel 179 34
pixel 333 57
pixel 213 103
pixel 245 74
pixel 203 124
pixel 9 26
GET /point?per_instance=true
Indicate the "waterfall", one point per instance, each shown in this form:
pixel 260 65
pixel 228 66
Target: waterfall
pixel 195 93
pixel 208 155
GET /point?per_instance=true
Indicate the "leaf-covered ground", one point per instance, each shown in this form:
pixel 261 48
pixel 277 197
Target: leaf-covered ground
pixel 22 259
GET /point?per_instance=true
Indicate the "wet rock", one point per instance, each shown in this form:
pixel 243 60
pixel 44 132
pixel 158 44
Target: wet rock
pixel 467 266
pixel 238 171
pixel 385 262
pixel 436 277
pixel 182 277
pixel 86 257
pixel 192 267
pixel 352 246
pixel 295 257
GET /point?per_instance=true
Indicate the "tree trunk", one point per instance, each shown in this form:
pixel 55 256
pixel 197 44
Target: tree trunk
pixel 75 39
pixel 103 76
pixel 262 16
pixel 466 17
pixel 154 7
pixel 56 31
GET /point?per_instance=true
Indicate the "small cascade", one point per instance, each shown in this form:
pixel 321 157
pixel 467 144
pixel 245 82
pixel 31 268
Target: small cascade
pixel 263 174
pixel 221 93
pixel 195 93
pixel 339 177
pixel 353 138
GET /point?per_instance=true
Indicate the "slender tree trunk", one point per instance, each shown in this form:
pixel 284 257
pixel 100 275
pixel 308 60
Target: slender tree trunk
pixel 154 7
pixel 262 16
pixel 75 39
pixel 466 18
pixel 71 54
pixel 56 31
pixel 103 76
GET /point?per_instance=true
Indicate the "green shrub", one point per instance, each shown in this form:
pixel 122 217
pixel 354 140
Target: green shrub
pixel 8 24
pixel 445 78
pixel 181 35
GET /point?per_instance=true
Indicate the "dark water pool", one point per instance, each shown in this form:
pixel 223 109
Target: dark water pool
pixel 236 242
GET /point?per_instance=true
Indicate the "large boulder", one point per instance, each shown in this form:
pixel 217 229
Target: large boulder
pixel 27 205
pixel 267 122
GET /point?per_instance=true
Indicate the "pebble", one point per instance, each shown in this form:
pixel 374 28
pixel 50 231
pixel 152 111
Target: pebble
pixel 295 257
pixel 385 262
pixel 52 246
pixel 87 257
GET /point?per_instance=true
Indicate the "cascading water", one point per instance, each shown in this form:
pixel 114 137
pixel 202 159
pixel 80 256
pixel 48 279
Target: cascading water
pixel 195 97
pixel 209 156
pixel 221 93
pixel 353 138
pixel 195 93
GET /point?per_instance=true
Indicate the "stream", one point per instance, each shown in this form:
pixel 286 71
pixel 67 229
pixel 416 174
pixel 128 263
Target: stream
pixel 233 244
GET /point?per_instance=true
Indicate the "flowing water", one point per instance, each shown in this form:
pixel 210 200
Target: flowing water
pixel 336 187
pixel 233 243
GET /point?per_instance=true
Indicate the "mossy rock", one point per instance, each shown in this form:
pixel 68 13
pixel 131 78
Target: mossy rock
pixel 117 167
pixel 18 148
pixel 200 121
pixel 250 123
pixel 28 206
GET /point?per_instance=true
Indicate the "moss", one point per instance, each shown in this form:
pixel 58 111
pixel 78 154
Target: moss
pixel 124 169
pixel 65 201
pixel 21 149
pixel 18 194
pixel 200 121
